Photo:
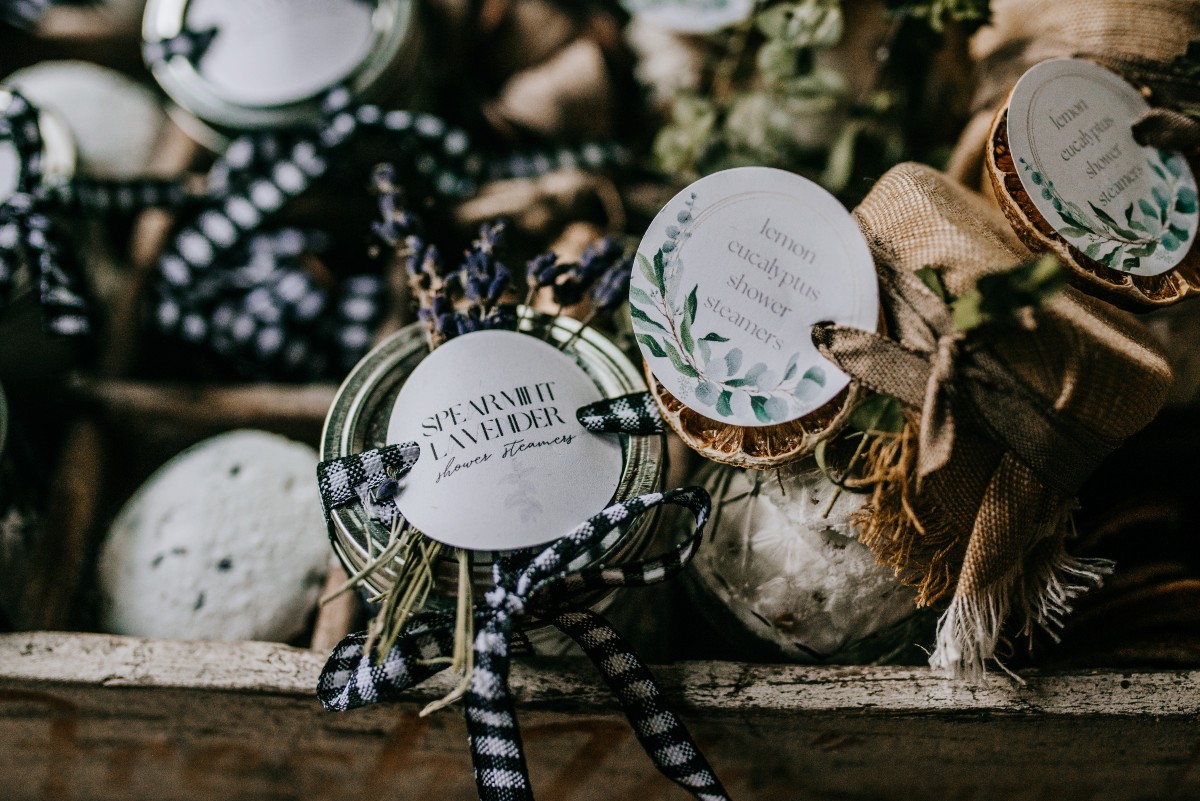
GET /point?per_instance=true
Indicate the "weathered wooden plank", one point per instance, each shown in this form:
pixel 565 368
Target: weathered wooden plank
pixel 92 716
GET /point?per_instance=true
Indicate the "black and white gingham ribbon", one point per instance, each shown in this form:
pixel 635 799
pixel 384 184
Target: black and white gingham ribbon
pixel 542 586
pixel 252 181
pixel 354 477
pixel 628 414
pixel 28 235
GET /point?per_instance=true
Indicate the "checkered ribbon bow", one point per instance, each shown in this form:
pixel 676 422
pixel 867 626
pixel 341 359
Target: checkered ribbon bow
pixel 543 587
pixel 30 236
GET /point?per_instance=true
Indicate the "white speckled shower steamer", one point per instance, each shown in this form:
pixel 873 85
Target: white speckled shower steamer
pixel 117 123
pixel 224 542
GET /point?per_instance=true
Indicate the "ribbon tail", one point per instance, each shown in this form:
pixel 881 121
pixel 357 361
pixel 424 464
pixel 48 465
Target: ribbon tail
pixel 497 754
pixel 64 308
pixel 629 414
pixel 660 731
pixel 351 678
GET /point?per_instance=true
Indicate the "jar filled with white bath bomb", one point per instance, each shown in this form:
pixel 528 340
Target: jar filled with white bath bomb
pixel 782 574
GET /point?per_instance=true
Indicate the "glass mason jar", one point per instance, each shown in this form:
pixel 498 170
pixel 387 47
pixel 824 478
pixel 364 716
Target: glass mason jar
pixel 783 576
pixel 358 421
pixel 271 61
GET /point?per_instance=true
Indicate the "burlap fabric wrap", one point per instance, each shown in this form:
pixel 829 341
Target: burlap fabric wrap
pixel 1114 33
pixel 985 527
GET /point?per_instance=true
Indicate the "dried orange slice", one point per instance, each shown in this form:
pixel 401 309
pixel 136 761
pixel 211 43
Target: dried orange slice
pixel 1133 292
pixel 757 447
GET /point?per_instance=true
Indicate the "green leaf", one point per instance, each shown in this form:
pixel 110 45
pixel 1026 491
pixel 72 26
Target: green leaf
pixel 1071 230
pixel 677 360
pixel 644 265
pixel 738 382
pixel 759 404
pixel 1157 170
pixel 793 366
pixel 933 279
pixel 1147 209
pixel 815 374
pixel 1185 201
pixel 1113 224
pixel 685 326
pixel 733 360
pixel 821 459
pixel 640 296
pixel 878 414
pixel 714 338
pixel 652 345
pixel 1173 163
pixel 1071 221
pixel 1143 251
pixel 638 314
pixel 1131 263
pixel 724 404
pixel 660 269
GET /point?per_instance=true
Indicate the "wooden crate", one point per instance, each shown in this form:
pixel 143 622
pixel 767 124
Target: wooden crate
pixel 102 717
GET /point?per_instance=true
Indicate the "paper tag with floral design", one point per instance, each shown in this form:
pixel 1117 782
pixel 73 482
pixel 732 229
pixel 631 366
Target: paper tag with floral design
pixel 691 16
pixel 730 278
pixel 504 462
pixel 1129 207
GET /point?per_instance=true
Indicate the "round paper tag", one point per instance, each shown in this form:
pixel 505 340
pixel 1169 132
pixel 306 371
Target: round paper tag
pixel 10 169
pixel 504 463
pixel 1129 207
pixel 731 276
pixel 691 16
pixel 272 52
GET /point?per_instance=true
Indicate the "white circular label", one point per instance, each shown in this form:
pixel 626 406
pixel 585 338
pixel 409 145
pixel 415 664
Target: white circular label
pixel 1129 207
pixel 504 463
pixel 691 16
pixel 730 278
pixel 272 52
pixel 10 169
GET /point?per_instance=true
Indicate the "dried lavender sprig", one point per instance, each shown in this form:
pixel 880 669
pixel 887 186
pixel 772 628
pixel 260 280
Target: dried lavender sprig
pixel 398 223
pixel 595 262
pixel 542 271
pixel 609 293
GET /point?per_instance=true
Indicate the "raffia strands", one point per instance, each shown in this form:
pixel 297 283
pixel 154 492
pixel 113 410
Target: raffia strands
pixel 986 529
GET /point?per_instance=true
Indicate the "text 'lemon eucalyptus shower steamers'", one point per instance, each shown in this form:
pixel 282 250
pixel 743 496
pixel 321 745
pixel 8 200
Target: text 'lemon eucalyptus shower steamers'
pixel 731 277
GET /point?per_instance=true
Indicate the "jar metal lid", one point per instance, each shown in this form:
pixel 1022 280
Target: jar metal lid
pixel 58 153
pixel 271 62
pixel 358 420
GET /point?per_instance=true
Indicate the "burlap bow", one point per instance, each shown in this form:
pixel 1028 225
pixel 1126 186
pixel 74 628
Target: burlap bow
pixel 972 501
pixel 949 376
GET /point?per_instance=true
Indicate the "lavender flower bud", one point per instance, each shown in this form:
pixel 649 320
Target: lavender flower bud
pixel 613 288
pixel 500 284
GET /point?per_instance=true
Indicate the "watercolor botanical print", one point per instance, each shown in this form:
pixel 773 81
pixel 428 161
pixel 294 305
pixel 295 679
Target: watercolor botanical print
pixel 716 373
pixel 1124 239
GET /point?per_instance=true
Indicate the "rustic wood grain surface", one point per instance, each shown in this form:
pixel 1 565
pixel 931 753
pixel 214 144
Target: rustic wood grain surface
pixel 103 717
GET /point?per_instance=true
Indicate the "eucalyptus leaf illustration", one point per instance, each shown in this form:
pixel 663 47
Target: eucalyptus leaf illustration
pixel 664 319
pixel 1123 238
